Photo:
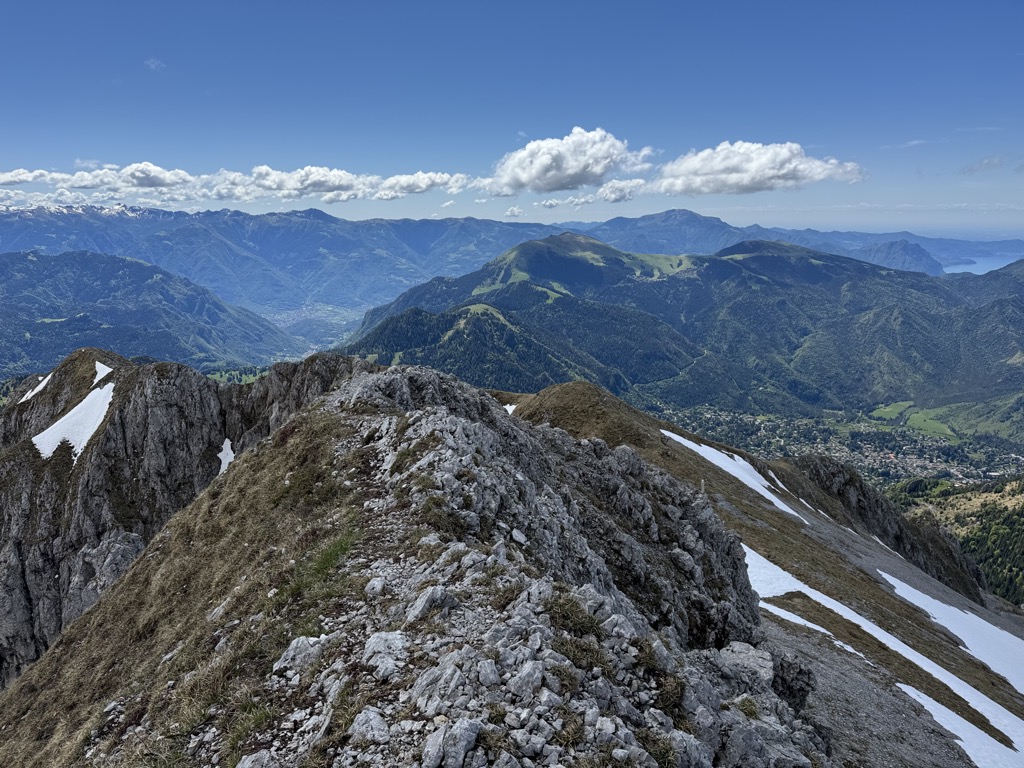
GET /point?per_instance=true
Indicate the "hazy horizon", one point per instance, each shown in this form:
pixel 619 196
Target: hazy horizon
pixel 879 118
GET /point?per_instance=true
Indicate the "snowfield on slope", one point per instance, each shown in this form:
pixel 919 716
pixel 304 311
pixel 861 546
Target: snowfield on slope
pixel 982 748
pixel 1001 651
pixel 78 425
pixel 739 468
pixel 101 372
pixel 769 580
pixel 36 389
pixel 782 613
pixel 226 455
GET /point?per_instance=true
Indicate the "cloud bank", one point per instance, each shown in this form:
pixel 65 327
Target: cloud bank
pixel 593 165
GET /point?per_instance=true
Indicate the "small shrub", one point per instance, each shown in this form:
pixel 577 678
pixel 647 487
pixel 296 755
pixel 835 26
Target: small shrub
pixel 494 740
pixel 571 734
pixel 568 615
pixel 603 759
pixel 646 661
pixel 403 459
pixel 438 516
pixel 424 482
pixel 505 595
pixel 494 570
pixel 658 747
pixel 566 676
pixel 670 699
pixel 584 654
pixel 250 717
pixel 331 556
pixel 749 708
pixel 347 704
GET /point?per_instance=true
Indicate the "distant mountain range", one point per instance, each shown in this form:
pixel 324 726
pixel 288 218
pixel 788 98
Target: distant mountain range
pixel 681 231
pixel 312 274
pixel 315 275
pixel 759 326
pixel 52 304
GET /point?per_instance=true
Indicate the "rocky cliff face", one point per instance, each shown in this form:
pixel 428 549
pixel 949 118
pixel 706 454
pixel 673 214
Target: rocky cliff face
pixel 75 520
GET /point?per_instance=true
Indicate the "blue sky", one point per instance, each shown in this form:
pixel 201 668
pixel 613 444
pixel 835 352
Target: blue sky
pixel 873 115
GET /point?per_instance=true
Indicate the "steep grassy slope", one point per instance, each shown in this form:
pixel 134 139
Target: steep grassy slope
pixel 129 445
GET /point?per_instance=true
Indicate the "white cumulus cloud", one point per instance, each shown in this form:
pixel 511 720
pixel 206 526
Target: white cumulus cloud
pixel 395 187
pixel 23 176
pixel 314 180
pixel 148 175
pixel 581 159
pixel 514 212
pixel 745 166
pixel 576 201
pixel 620 190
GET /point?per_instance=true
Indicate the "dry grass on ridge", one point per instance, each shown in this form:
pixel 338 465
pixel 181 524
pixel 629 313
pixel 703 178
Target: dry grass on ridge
pixel 236 542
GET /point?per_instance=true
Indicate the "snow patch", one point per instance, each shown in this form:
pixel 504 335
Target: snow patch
pixel 101 372
pixel 36 389
pixel 1000 650
pixel 509 408
pixel 769 580
pixel 808 505
pixel 78 425
pixel 739 468
pixel 884 544
pixel 226 456
pixel 782 613
pixel 979 746
pixel 778 483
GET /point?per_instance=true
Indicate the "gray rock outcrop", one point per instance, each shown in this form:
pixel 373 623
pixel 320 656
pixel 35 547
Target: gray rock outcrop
pixel 411 576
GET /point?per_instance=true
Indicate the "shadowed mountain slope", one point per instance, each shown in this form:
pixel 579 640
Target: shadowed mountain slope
pixel 95 458
pixel 52 304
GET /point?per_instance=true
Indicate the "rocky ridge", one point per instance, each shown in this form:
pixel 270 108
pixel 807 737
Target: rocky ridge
pixel 502 594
